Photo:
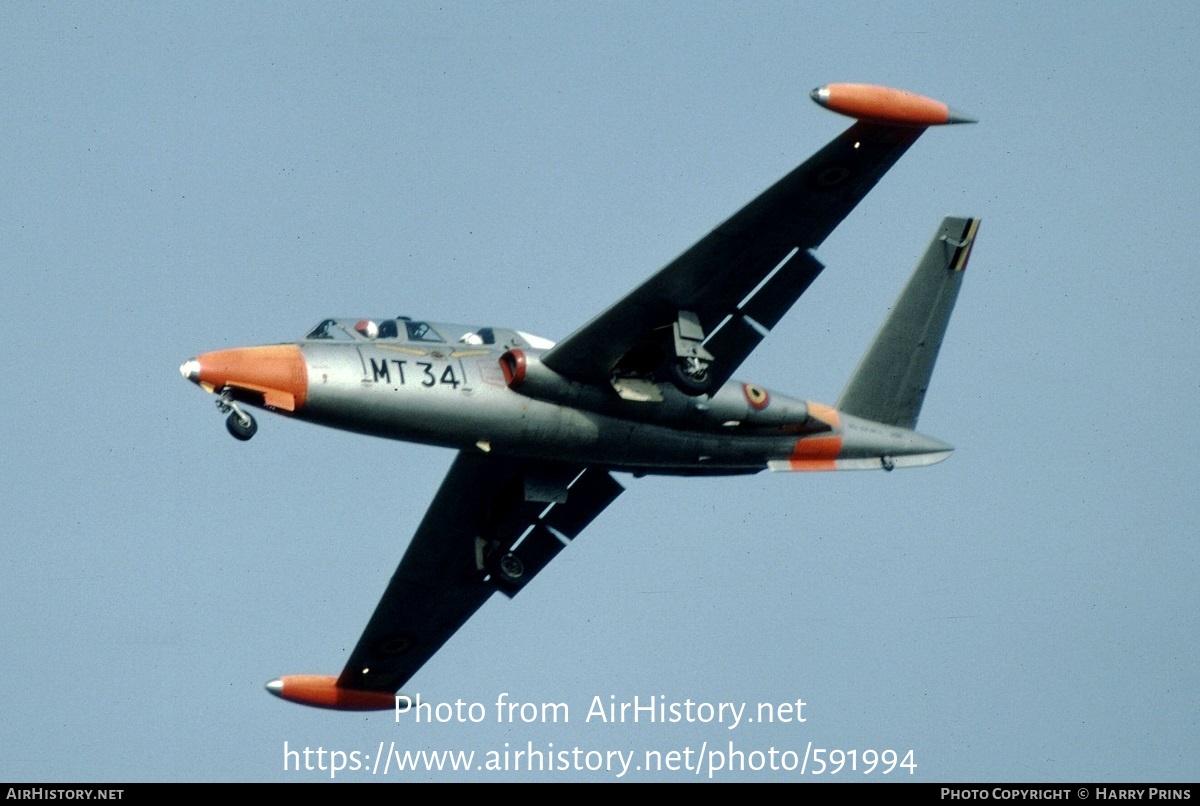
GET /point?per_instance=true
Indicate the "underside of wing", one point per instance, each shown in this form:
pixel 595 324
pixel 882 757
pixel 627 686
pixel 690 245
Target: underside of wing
pixel 720 296
pixel 493 525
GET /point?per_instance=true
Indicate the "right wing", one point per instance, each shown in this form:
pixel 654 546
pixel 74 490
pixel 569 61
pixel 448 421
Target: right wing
pixel 494 523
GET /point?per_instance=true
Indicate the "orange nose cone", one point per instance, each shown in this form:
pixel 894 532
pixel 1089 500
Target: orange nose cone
pixel 278 371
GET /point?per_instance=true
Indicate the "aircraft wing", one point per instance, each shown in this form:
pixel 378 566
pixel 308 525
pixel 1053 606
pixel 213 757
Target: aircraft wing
pixel 494 523
pixel 738 279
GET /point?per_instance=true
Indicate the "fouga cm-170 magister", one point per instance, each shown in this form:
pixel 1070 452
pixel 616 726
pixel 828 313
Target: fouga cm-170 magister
pixel 645 388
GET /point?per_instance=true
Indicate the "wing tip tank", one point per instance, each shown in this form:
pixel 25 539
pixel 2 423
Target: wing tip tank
pixel 892 107
pixel 322 691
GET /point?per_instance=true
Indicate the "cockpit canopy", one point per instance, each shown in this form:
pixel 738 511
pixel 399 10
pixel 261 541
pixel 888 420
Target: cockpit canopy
pixel 404 329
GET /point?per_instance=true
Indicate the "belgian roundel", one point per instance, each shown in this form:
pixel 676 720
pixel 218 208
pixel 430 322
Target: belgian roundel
pixel 756 396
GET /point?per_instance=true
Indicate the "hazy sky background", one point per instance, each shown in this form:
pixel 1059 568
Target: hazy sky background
pixel 180 178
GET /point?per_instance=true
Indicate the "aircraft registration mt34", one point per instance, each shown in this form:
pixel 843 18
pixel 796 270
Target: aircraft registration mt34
pixel 644 388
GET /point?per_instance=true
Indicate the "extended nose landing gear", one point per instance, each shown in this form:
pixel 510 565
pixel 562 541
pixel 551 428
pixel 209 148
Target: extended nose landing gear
pixel 239 422
pixel 241 425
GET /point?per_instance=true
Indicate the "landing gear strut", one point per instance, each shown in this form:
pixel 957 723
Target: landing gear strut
pixel 239 423
pixel 688 367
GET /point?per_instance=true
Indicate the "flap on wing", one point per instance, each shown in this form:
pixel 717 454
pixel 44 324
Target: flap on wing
pixel 494 523
pixel 741 331
pixel 715 276
pixel 589 495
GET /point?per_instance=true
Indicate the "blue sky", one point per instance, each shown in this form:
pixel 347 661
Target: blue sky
pixel 180 178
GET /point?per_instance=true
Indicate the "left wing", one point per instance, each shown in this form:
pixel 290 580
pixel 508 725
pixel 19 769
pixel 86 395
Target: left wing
pixel 737 282
pixel 494 523
pixel 718 273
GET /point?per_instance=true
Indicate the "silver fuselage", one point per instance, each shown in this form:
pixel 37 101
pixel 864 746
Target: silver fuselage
pixel 456 395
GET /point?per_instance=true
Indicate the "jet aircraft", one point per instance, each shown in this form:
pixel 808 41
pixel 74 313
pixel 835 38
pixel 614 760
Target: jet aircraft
pixel 644 388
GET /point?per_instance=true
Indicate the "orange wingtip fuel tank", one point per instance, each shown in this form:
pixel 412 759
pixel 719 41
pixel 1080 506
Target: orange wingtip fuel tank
pixel 322 691
pixel 887 106
pixel 278 371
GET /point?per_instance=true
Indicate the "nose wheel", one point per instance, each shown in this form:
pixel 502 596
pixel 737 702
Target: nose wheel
pixel 239 423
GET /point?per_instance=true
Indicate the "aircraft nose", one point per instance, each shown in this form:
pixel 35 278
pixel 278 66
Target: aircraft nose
pixel 190 369
pixel 277 372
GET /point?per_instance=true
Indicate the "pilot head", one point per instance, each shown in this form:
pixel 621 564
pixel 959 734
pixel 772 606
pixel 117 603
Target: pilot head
pixel 368 328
